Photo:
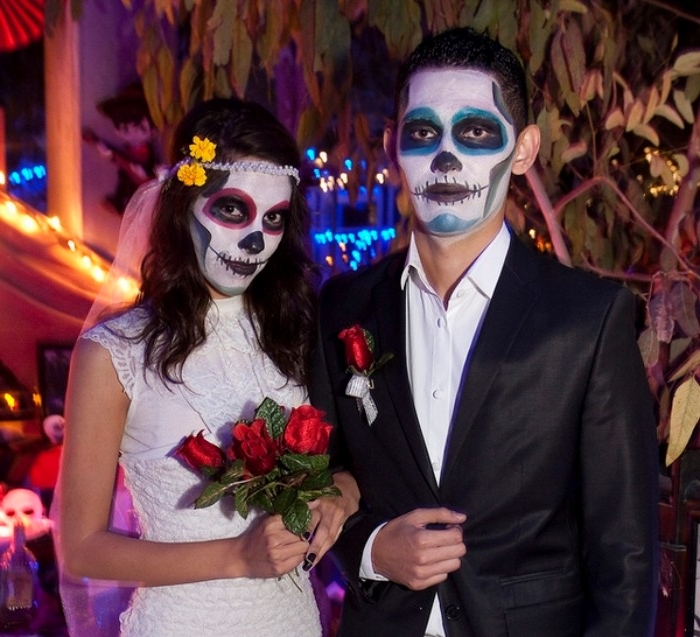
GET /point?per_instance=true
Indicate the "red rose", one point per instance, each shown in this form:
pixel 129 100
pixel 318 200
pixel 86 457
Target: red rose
pixel 306 431
pixel 253 444
pixel 200 453
pixel 358 352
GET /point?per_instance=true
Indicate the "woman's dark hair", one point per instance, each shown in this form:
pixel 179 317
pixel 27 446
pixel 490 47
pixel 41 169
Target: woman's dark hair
pixel 281 298
pixel 465 48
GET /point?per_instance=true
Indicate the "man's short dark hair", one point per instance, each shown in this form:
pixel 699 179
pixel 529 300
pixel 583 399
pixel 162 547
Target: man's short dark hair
pixel 465 48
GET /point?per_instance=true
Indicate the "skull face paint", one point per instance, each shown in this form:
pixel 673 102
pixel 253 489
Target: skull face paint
pixel 238 228
pixel 455 148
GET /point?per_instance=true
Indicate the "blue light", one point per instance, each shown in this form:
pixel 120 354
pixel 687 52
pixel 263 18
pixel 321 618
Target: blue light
pixel 311 153
pixel 348 164
pixel 27 174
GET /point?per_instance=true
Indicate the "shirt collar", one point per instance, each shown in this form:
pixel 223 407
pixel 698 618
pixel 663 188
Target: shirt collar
pixel 483 273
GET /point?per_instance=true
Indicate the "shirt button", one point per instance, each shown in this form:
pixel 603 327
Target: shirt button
pixel 438 394
pixel 440 322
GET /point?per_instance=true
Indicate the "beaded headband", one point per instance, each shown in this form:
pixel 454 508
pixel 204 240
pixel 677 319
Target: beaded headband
pixel 191 171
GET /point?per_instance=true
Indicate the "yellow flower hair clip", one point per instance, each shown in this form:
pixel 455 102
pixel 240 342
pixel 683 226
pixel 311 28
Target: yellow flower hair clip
pixel 193 173
pixel 202 149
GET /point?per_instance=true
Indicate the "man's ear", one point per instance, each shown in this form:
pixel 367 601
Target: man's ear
pixel 526 149
pixel 390 143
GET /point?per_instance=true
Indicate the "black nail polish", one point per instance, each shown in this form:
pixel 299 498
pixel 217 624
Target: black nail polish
pixel 306 536
pixel 309 562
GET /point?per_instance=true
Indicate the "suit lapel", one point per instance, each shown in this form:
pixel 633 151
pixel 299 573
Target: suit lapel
pixel 390 314
pixel 512 300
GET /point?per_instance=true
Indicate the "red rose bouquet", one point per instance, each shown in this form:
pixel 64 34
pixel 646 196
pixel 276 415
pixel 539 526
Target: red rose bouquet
pixel 274 463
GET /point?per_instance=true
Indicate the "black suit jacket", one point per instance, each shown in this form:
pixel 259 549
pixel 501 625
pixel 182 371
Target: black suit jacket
pixel 552 455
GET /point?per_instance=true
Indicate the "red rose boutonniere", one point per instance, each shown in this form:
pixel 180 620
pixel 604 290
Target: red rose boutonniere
pixel 359 355
pixel 273 463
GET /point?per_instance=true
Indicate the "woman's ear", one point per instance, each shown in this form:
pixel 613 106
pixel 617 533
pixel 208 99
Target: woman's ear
pixel 390 143
pixel 526 149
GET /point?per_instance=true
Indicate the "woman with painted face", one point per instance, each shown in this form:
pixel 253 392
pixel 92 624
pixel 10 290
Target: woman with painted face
pixel 224 318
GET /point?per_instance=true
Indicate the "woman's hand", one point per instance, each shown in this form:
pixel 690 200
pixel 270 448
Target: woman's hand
pixel 328 515
pixel 269 549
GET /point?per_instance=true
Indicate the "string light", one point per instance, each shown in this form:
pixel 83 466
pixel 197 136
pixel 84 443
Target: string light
pixel 30 222
pixel 354 248
pixel 659 163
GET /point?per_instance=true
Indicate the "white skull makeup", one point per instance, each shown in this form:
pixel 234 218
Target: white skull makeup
pixel 238 228
pixel 455 147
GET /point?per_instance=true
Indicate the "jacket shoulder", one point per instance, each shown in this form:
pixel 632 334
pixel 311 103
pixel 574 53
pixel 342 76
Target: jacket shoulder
pixel 571 285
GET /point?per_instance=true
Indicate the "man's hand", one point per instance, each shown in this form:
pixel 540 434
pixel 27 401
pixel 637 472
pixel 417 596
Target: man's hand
pixel 420 548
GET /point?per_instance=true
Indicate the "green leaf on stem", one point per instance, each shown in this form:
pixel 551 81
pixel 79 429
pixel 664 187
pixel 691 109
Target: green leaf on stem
pixel 284 500
pixel 212 493
pixel 317 481
pixel 297 517
pixel 273 415
pixel 234 473
pixel 262 501
pixel 241 495
pixel 302 462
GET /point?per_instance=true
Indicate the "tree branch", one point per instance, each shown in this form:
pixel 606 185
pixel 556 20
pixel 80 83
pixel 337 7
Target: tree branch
pixel 675 10
pixel 689 186
pixel 550 216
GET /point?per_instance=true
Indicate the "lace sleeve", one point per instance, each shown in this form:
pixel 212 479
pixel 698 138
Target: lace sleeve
pixel 116 336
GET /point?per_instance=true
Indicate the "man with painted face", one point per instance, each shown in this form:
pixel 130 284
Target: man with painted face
pixel 506 453
pixel 224 319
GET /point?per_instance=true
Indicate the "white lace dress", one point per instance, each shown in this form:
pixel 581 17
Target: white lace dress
pixel 224 379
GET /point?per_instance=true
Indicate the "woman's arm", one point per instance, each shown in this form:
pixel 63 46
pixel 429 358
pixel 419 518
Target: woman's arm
pixel 96 408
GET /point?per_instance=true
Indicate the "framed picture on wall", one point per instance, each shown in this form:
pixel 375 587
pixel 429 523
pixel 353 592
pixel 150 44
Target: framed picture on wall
pixel 53 363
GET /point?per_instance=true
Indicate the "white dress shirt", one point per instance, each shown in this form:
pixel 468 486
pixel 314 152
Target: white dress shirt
pixel 438 342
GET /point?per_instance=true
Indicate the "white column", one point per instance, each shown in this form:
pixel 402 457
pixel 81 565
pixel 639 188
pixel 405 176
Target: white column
pixel 63 137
